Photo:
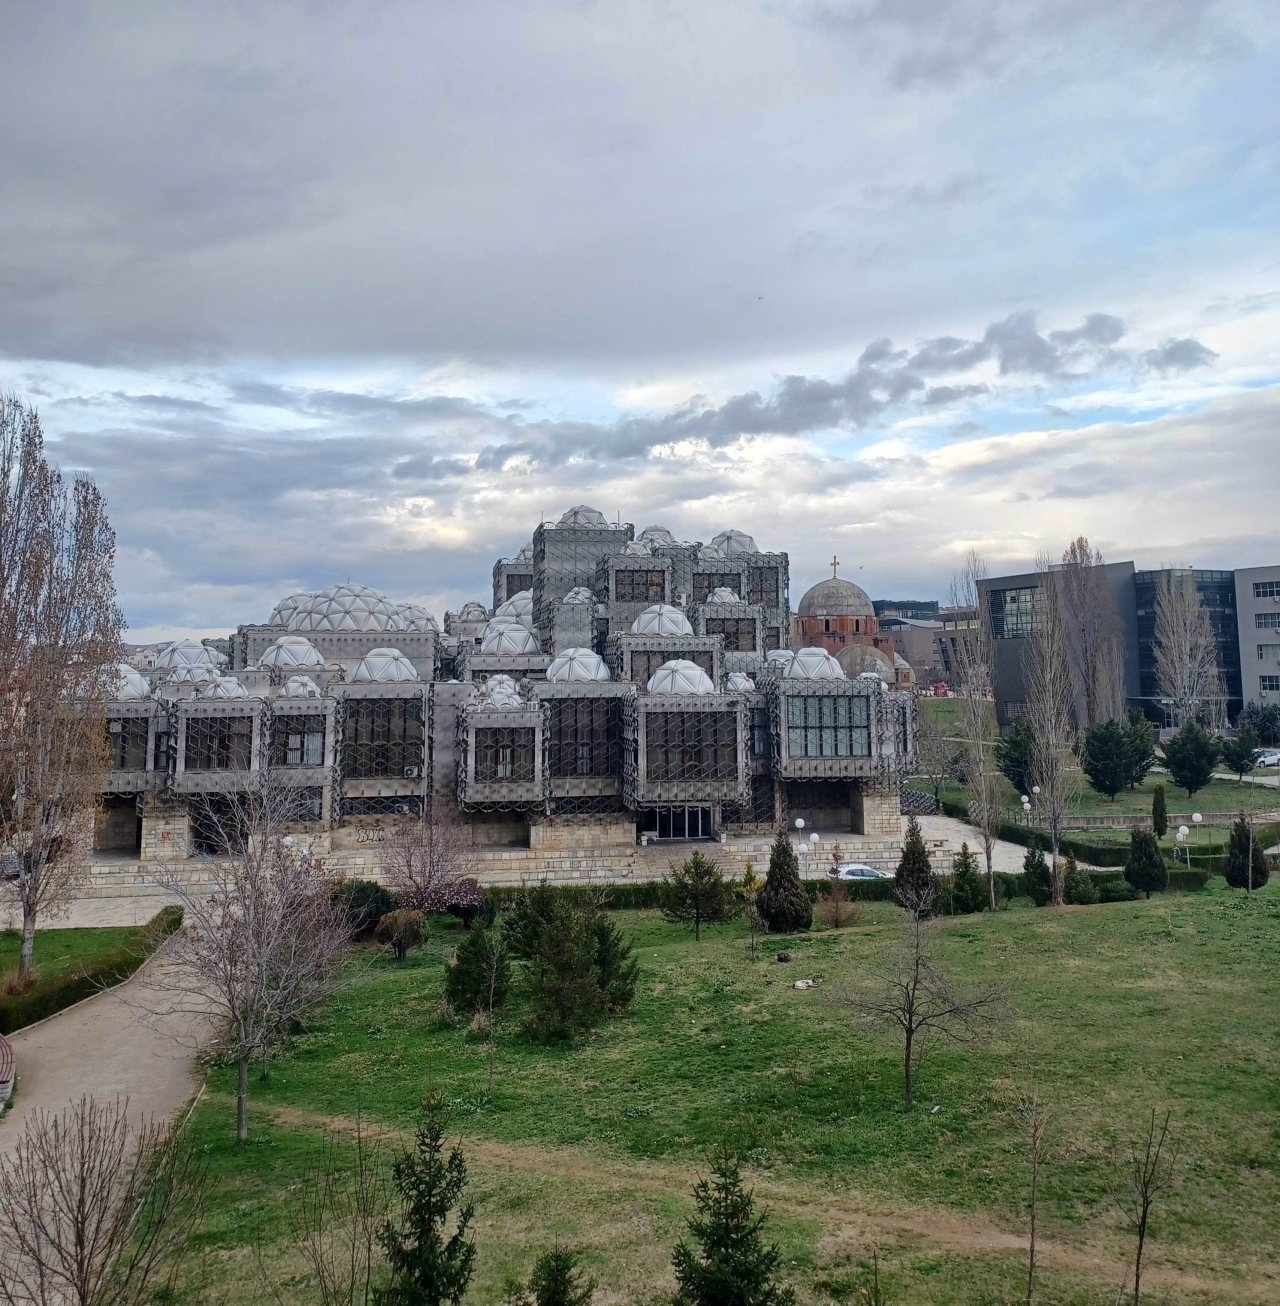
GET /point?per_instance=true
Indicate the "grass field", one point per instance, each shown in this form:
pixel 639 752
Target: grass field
pixel 1111 1010
pixel 60 951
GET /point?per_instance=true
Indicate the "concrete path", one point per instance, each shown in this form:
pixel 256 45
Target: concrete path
pixel 1004 856
pixel 102 1048
pixel 1269 781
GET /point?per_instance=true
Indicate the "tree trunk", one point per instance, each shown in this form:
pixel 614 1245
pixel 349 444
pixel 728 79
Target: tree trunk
pixel 907 1071
pixel 242 1099
pixel 1055 878
pixel 991 882
pixel 26 960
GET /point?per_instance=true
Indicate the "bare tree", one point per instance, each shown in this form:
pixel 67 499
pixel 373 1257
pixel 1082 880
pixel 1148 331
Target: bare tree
pixel 427 861
pixel 264 945
pixel 939 753
pixel 1186 652
pixel 976 725
pixel 1037 1119
pixel 1150 1169
pixel 1094 634
pixel 1050 712
pixel 59 643
pixel 914 996
pixel 95 1212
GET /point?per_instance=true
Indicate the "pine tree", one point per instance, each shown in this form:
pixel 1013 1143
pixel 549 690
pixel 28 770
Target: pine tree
pixel 783 904
pixel 1013 753
pixel 556 1281
pixel 695 893
pixel 1190 757
pixel 1159 812
pixel 1106 758
pixel 731 1264
pixel 967 889
pixel 1244 851
pixel 565 997
pixel 1036 874
pixel 1241 753
pixel 1142 747
pixel 1145 867
pixel 913 880
pixel 428 1269
pixel 617 969
pixel 1078 887
pixel 478 975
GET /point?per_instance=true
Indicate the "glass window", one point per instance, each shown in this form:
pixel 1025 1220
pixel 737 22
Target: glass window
pixel 297 741
pixel 1266 589
pixel 1015 614
pixel 763 587
pixel 706 581
pixel 504 754
pixel 219 743
pixel 1267 620
pixel 127 743
pixel 739 633
pixel 1269 684
pixel 827 725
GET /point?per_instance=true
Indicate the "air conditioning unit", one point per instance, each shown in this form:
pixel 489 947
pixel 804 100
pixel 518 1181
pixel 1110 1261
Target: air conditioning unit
pixel 412 772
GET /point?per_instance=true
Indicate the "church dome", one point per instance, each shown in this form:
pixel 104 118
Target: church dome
pixel 731 543
pixel 680 677
pixel 583 516
pixel 384 666
pixel 291 651
pixel 661 619
pixel 347 607
pixel 573 664
pixel 836 597
pixel 814 664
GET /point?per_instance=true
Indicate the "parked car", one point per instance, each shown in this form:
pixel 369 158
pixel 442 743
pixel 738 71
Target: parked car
pixel 858 871
pixel 1268 758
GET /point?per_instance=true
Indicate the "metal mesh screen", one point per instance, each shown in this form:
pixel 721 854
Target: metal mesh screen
pixel 759 809
pixel 383 737
pixel 592 805
pixel 518 582
pixel 222 743
pixel 762 587
pixel 644 661
pixel 639 586
pixel 691 746
pixel 397 805
pixel 739 633
pixel 297 740
pixel 706 581
pixel 127 743
pixel 585 736
pixel 504 754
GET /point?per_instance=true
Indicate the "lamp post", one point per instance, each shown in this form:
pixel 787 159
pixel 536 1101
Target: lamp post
pixel 1181 837
pixel 1196 818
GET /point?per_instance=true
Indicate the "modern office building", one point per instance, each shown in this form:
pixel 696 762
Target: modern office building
pixel 1257 601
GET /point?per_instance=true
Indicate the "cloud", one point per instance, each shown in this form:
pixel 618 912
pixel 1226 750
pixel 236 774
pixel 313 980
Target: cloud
pixel 1179 356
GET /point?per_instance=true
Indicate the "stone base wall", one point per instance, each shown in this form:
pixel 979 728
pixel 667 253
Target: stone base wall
pixel 564 832
pixel 166 830
pixel 881 809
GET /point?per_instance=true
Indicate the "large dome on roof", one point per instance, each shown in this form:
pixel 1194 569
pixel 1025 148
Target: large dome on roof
pixel 712 553
pixel 192 673
pixel 778 660
pixel 285 609
pixel 347 607
pixel 473 611
pixel 636 549
pixel 186 653
pixel 661 619
pixel 814 664
pixel 224 687
pixel 583 516
pixel 574 664
pixel 526 553
pixel 500 691
pixel 656 535
pixel 417 618
pixel 857 658
pixel 130 683
pixel 300 687
pixel 732 543
pixel 508 635
pixel 680 677
pixel 738 682
pixel 836 597
pixel 290 652
pixel 519 606
pixel 384 665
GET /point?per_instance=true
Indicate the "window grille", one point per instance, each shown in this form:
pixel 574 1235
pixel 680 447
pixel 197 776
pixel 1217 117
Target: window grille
pixel 772 639
pixel 706 581
pixel 297 741
pixel 396 805
pixel 383 737
pixel 827 725
pixel 585 736
pixel 504 754
pixel 763 586
pixel 644 662
pixel 518 582
pixel 639 586
pixel 691 746
pixel 219 743
pixel 127 742
pixel 1015 614
pixel 739 633
pixel 1266 589
pixel 1267 620
pixel 164 749
pixel 760 742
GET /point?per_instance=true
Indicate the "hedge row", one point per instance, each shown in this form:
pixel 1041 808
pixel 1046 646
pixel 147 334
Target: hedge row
pixel 46 997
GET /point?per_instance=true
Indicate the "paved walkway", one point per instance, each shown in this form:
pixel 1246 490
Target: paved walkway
pixel 1270 781
pixel 1004 856
pixel 102 1048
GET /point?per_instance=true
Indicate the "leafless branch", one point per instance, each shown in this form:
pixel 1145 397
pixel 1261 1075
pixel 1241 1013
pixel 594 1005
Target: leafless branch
pixel 1150 1169
pixel 1186 652
pixel 427 861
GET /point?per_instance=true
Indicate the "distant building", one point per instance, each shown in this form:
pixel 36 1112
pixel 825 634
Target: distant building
pixel 1257 594
pixel 911 609
pixel 837 616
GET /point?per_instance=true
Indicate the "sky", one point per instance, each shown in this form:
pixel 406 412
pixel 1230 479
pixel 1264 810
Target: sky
pixel 325 291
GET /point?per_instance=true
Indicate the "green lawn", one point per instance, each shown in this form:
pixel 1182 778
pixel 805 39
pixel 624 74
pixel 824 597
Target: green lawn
pixel 1111 1010
pixel 59 951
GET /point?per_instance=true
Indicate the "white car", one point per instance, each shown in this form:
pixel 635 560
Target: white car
pixel 1268 758
pixel 858 871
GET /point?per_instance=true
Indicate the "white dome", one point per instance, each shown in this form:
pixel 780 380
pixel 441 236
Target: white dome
pixel 508 636
pixel 519 606
pixel 814 664
pixel 583 516
pixel 186 653
pixel 636 549
pixel 417 618
pixel 285 609
pixel 291 651
pixel 723 594
pixel 192 673
pixel 731 543
pixel 580 594
pixel 577 664
pixel 778 660
pixel 224 687
pixel 300 687
pixel 710 553
pixel 680 677
pixel 656 535
pixel 875 678
pixel 526 553
pixel 500 691
pixel 384 666
pixel 738 682
pixel 473 611
pixel 661 619
pixel 347 607
pixel 130 684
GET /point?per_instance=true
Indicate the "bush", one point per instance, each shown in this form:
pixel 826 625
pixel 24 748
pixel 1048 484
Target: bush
pixel 565 997
pixel 1246 865
pixel 1036 874
pixel 488 911
pixel 479 964
pixel 1078 887
pixel 617 969
pixel 968 893
pixel 402 929
pixel 366 903
pixel 1116 891
pixel 46 997
pixel 556 1281
pixel 784 905
pixel 1145 868
pixel 532 912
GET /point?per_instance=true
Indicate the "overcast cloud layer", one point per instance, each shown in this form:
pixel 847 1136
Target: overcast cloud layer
pixel 321 290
